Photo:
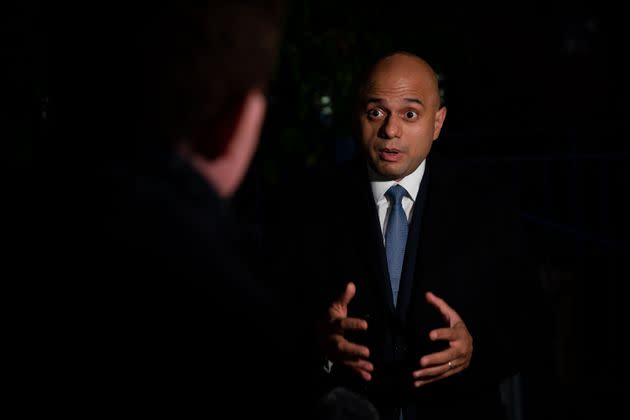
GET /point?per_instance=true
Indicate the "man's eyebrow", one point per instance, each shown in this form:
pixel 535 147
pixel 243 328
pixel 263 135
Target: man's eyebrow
pixel 414 100
pixel 375 100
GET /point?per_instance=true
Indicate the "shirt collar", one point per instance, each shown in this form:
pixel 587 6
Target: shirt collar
pixel 411 183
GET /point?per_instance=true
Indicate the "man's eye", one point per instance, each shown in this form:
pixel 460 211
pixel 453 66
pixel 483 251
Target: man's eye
pixel 375 113
pixel 411 114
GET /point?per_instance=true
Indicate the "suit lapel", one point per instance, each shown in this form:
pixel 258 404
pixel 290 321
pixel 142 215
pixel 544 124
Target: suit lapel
pixel 374 249
pixel 371 247
pixel 412 248
pixel 367 233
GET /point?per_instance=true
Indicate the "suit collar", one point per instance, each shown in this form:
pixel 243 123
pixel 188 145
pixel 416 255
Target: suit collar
pixel 411 182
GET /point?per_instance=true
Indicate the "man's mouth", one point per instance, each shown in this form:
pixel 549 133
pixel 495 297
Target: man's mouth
pixel 390 155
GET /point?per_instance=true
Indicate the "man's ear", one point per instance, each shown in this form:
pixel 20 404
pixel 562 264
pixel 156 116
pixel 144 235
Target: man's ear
pixel 226 170
pixel 440 115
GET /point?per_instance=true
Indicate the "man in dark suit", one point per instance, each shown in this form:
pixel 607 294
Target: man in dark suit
pixel 426 314
pixel 165 309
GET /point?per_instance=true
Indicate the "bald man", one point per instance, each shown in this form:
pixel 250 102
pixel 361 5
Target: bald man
pixel 430 290
pixel 400 115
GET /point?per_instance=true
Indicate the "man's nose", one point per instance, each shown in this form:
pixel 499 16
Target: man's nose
pixel 391 128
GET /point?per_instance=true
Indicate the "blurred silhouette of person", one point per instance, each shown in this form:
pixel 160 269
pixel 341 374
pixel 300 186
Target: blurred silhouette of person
pixel 340 403
pixel 167 103
pixel 417 262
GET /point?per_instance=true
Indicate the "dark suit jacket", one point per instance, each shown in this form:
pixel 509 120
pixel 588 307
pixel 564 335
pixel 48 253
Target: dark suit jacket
pixel 168 315
pixel 464 245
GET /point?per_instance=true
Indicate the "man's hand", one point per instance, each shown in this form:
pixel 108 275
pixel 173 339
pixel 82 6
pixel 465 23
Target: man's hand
pixel 448 362
pixel 338 349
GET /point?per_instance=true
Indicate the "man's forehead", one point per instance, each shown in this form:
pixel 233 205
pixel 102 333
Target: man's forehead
pixel 393 75
pixel 401 88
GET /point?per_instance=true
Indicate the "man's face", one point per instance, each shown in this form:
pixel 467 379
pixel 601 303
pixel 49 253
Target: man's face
pixel 400 115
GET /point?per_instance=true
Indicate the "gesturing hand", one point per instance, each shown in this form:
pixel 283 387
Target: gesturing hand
pixel 456 357
pixel 340 350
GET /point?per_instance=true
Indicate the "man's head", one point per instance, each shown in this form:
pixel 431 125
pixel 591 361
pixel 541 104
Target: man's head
pixel 208 64
pixel 183 74
pixel 400 114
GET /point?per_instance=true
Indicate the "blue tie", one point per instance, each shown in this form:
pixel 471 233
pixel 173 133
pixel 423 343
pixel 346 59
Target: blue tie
pixel 395 237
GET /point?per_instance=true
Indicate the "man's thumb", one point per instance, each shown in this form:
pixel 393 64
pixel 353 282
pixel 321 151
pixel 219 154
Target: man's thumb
pixel 348 294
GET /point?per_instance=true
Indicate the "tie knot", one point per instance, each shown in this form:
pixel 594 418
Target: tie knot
pixel 395 193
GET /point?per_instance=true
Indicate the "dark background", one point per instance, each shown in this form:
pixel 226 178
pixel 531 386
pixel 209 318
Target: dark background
pixel 538 91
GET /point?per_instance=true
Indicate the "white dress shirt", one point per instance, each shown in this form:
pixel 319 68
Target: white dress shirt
pixel 411 183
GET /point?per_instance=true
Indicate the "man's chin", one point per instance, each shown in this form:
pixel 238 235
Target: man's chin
pixel 389 171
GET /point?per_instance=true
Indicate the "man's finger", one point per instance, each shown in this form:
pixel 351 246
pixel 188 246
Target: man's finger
pixel 361 364
pixel 449 334
pixel 420 383
pixel 355 324
pixel 437 373
pixel 449 313
pixel 439 358
pixel 429 373
pixel 350 350
pixel 348 294
pixel 362 367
